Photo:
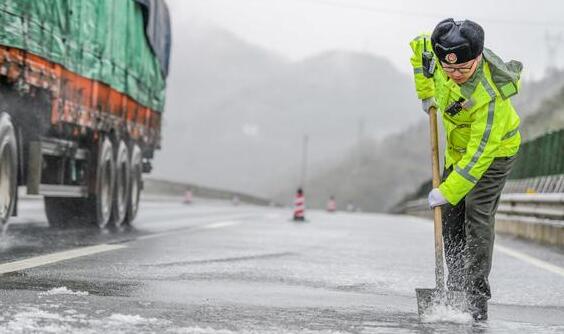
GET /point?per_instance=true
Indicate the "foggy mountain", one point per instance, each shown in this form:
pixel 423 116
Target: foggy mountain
pixel 375 175
pixel 236 114
pixel 534 93
pixel 381 173
pixel 549 117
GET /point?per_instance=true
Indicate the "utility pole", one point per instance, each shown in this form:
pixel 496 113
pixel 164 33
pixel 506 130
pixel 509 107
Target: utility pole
pixel 553 44
pixel 359 140
pixel 360 130
pixel 305 143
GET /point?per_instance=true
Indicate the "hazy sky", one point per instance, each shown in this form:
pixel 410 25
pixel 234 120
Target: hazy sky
pixel 300 28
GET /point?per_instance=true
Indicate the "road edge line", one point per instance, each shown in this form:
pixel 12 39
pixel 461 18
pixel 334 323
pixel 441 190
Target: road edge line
pixel 531 260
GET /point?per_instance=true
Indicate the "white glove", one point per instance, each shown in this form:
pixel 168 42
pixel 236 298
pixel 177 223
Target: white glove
pixel 436 198
pixel 428 103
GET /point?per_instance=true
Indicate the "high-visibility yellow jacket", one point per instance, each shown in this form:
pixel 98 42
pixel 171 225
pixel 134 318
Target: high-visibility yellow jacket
pixel 487 127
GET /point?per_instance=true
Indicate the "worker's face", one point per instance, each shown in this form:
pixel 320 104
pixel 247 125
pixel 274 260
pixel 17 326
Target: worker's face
pixel 460 73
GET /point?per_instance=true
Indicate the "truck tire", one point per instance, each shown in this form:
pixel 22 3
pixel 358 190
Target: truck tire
pixel 101 202
pixel 123 180
pixel 8 167
pixel 95 210
pixel 136 183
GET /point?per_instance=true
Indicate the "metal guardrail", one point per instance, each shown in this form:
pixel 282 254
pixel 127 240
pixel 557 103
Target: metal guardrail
pixel 540 184
pixel 543 206
pixel 538 217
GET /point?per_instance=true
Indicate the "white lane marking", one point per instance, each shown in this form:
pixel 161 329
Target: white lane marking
pixel 42 260
pixel 216 225
pixel 220 225
pixel 531 260
pixel 173 221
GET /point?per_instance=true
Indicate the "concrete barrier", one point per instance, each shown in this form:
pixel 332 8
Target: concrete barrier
pixel 538 217
pixel 545 231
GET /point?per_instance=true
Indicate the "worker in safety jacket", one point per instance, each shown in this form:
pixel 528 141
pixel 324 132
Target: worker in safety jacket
pixel 471 88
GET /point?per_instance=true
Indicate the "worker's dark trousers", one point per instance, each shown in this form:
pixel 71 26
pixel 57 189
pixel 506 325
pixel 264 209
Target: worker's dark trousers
pixel 468 231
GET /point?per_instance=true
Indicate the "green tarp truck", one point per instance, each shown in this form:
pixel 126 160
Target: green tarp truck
pixel 82 91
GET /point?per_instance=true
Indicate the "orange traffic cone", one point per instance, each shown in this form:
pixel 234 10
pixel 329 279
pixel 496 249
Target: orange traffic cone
pixel 188 197
pixel 331 204
pixel 299 206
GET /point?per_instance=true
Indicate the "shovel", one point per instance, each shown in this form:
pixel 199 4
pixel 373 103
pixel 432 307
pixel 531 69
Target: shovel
pixel 427 299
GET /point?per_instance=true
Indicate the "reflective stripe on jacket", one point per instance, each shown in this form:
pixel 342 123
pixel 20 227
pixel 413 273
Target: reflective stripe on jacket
pixel 486 128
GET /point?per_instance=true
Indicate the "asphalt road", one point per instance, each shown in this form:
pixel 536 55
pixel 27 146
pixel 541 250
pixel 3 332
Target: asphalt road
pixel 212 267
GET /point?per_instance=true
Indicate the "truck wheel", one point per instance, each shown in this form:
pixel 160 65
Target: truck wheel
pixel 121 193
pixel 95 210
pixel 102 201
pixel 8 168
pixel 136 183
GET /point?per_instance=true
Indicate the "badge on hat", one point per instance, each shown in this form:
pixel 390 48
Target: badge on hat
pixel 451 58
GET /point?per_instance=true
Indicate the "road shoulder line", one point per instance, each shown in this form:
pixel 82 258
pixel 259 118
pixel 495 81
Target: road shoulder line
pixel 531 260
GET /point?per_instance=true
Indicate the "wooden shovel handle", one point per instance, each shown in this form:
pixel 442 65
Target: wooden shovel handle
pixel 439 266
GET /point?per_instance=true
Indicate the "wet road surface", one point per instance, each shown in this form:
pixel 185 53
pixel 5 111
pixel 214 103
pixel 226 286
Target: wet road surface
pixel 215 268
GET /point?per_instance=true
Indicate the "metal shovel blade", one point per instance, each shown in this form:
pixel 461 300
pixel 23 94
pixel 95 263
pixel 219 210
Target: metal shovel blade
pixel 427 299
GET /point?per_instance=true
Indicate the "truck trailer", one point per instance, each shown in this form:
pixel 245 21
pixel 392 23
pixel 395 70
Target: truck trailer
pixel 82 91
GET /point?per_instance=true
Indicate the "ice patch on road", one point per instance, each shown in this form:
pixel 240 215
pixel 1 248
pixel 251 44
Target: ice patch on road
pixel 131 319
pixel 443 313
pixel 198 330
pixel 34 320
pixel 63 291
pixel 30 319
pixel 209 330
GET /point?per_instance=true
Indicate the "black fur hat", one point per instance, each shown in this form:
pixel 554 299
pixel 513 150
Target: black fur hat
pixel 456 42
